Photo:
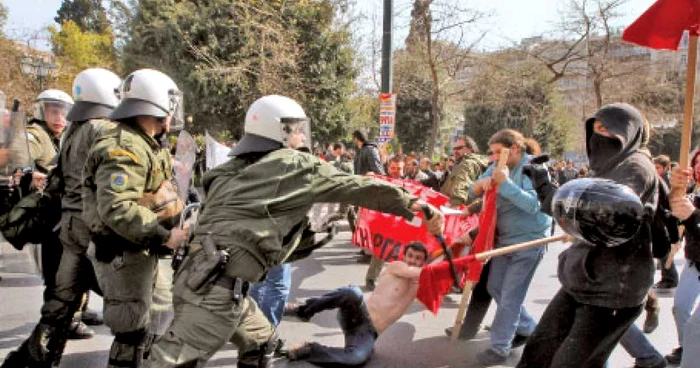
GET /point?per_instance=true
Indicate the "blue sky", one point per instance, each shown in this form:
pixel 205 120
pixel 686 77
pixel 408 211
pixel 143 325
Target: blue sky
pixel 512 19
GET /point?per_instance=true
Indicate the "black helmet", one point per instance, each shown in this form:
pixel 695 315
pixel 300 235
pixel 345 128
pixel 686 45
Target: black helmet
pixel 598 211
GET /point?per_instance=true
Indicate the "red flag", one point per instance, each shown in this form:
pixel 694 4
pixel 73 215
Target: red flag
pixel 436 279
pixel 663 24
pixel 387 235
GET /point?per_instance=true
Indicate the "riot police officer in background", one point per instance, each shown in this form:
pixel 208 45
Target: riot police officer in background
pixel 253 220
pixel 130 205
pixel 44 133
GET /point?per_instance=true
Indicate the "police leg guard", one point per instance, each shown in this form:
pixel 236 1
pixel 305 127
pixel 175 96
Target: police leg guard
pixel 128 349
pixel 260 357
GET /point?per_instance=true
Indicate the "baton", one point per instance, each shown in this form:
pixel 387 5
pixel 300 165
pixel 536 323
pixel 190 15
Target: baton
pixel 448 254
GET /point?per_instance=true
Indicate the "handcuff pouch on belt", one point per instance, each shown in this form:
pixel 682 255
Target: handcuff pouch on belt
pixel 208 265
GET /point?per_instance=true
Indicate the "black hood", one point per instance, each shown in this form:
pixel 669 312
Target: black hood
pixel 626 124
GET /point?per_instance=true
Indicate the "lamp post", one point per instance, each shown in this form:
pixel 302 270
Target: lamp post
pixel 37 68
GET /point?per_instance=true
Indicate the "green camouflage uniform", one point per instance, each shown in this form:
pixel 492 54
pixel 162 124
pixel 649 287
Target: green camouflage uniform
pixel 43 148
pixel 253 210
pixel 123 167
pixel 464 173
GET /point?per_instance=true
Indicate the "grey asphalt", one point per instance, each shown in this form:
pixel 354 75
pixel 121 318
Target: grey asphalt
pixel 416 340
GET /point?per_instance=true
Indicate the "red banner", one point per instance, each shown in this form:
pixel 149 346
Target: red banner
pixel 387 234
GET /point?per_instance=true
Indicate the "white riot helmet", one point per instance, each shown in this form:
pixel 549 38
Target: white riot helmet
pixel 148 92
pixel 95 92
pixel 272 122
pixel 54 99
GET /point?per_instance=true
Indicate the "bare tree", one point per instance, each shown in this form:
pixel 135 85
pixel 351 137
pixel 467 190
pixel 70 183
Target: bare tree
pixel 442 36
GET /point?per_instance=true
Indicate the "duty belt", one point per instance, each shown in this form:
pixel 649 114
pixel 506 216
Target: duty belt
pixel 235 284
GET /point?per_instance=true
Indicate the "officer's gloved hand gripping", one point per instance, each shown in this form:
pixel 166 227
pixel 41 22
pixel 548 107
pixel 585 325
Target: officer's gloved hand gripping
pixel 436 223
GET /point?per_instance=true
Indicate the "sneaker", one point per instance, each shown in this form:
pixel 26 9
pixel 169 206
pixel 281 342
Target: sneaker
pixel 675 357
pixel 665 285
pixel 296 310
pixel 79 331
pixel 490 357
pixel 651 322
pixel 519 340
pixel 91 318
pixel 371 285
pixel 299 352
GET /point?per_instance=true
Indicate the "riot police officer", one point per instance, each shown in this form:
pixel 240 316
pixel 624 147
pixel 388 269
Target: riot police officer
pixel 129 206
pixel 95 96
pixel 252 221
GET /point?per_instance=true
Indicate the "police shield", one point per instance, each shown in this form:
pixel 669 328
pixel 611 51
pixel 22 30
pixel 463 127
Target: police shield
pixel 14 147
pixel 185 156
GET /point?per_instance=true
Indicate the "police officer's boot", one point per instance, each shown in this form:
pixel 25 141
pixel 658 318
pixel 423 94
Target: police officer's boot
pixel 260 357
pixel 128 349
pixel 18 358
pixel 44 347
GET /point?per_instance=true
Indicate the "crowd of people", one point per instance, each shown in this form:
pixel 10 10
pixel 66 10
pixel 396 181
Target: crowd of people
pixel 115 209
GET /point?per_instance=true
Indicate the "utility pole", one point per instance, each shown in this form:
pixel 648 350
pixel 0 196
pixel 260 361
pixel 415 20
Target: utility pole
pixel 387 49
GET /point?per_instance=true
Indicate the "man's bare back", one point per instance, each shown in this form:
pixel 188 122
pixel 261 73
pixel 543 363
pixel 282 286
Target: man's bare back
pixel 396 289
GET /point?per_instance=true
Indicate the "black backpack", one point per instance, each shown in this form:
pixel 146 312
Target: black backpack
pixel 664 226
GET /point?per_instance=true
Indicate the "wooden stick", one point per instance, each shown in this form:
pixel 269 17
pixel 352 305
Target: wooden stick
pixel 689 101
pixel 503 160
pixel 467 291
pixel 519 247
pixel 687 124
pixel 462 312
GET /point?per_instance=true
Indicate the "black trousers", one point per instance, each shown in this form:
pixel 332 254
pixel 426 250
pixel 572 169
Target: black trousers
pixel 51 251
pixel 572 334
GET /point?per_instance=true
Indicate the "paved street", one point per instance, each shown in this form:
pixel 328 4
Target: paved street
pixel 417 340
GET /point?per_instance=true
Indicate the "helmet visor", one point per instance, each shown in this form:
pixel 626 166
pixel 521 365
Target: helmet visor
pixel 296 132
pixel 50 110
pixel 176 110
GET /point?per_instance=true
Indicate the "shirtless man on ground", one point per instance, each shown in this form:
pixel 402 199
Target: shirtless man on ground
pixel 362 321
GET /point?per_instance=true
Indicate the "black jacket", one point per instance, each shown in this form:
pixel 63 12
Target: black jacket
pixel 692 234
pixel 367 159
pixel 615 277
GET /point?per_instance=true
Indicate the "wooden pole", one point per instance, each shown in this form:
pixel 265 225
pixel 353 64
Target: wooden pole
pixel 689 99
pixel 467 291
pixel 687 125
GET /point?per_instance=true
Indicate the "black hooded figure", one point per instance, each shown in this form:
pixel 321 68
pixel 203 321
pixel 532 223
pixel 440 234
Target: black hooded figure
pixel 603 286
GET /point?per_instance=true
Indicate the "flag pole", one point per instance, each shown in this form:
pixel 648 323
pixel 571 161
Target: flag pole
pixel 469 285
pixel 687 123
pixel 689 99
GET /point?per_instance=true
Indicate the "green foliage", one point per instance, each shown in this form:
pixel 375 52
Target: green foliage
pixel 88 15
pixel 4 14
pixel 414 120
pixel 414 115
pixel 517 97
pixel 225 54
pixel 77 50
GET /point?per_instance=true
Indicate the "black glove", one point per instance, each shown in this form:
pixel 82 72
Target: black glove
pixel 539 175
pixel 193 196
